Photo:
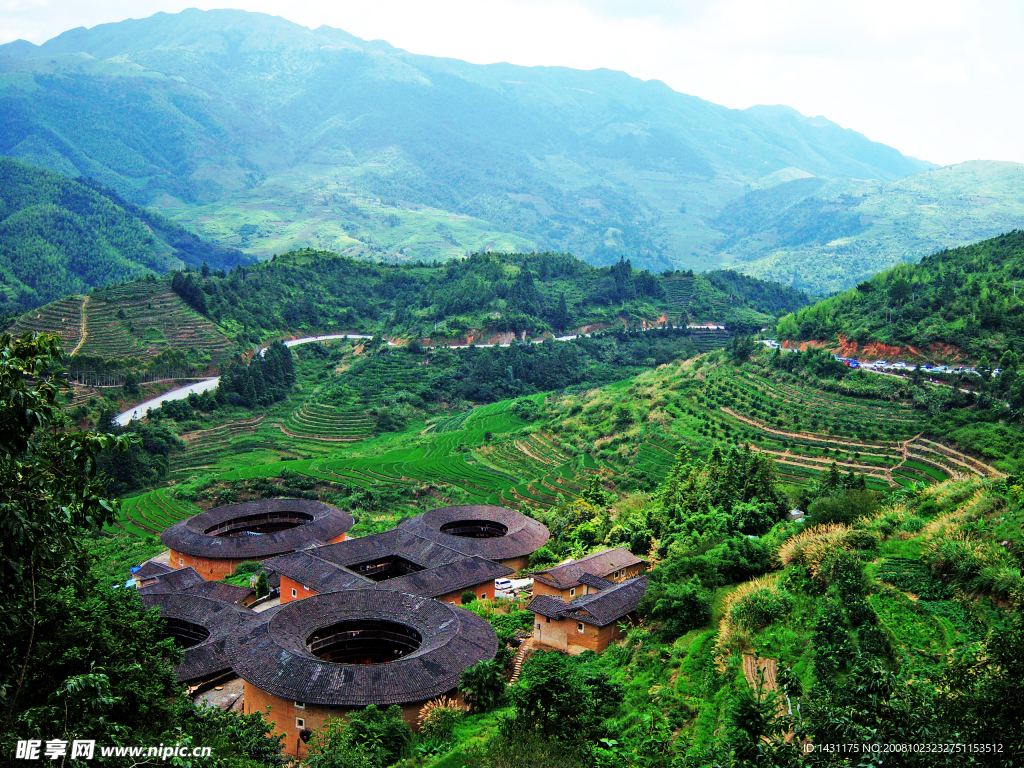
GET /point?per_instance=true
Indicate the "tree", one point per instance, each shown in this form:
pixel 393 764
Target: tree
pixel 50 492
pixel 483 686
pixel 79 660
pixel 561 320
pixel 552 697
pixel 681 607
pixel 371 738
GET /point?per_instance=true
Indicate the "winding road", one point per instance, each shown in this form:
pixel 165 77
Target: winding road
pixel 139 411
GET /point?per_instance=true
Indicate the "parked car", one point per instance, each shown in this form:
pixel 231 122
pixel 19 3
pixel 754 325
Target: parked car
pixel 502 585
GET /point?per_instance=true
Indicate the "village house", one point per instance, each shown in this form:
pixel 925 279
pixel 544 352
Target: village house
pixel 573 579
pixel 588 623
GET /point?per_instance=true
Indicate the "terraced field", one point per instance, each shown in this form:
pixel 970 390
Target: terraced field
pixel 489 457
pixel 806 430
pixel 63 317
pixel 137 320
pixel 329 423
pixel 150 513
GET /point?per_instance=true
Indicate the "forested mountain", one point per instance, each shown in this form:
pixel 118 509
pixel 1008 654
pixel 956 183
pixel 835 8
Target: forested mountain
pixel 964 302
pixel 270 136
pixel 60 236
pixel 826 235
pixel 481 297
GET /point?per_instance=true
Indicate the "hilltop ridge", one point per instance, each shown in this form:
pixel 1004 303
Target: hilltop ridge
pixel 961 303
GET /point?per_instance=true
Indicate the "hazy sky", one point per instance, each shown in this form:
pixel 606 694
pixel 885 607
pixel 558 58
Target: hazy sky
pixel 941 80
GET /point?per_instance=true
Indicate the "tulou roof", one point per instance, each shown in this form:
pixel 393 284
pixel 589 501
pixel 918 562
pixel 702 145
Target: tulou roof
pixel 191 536
pixel 218 618
pixel 600 564
pixel 600 608
pixel 523 534
pixel 271 654
pixel 176 580
pixel 448 575
pixel 187 581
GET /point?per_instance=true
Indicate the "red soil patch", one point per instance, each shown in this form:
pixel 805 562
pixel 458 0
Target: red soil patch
pixel 876 350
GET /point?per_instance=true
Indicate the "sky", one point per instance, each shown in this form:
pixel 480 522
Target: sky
pixel 940 80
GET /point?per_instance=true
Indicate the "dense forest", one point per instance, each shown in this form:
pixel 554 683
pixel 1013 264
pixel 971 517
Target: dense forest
pixel 60 235
pixel 968 298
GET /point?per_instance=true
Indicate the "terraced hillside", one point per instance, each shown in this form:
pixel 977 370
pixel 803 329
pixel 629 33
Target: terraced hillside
pixel 134 320
pixel 627 433
pixel 804 428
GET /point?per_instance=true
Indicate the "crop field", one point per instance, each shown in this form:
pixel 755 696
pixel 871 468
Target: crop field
pixel 317 421
pixel 489 455
pixel 804 429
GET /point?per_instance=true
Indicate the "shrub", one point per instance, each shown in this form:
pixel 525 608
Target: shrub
pixel 249 566
pixel 370 738
pixel 845 507
pixel 552 697
pixel 467 597
pixel 758 603
pixel 438 717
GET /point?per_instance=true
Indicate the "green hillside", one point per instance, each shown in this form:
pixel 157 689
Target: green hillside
pixel 485 297
pixel 60 236
pixel 826 235
pixel 269 136
pixel 965 302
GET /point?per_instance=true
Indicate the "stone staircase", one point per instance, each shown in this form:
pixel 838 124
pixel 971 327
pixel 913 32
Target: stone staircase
pixel 522 655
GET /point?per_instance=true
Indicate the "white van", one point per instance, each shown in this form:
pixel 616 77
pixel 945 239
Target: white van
pixel 502 585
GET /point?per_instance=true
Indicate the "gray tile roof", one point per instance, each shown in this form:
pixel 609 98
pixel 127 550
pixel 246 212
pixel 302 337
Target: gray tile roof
pixel 601 608
pixel 215 590
pixel 424 552
pixel 220 619
pixel 453 572
pixel 310 570
pixel 523 534
pixel 599 564
pixel 450 577
pixel 596 582
pixel 151 568
pixel 190 536
pixel 176 580
pixel 271 652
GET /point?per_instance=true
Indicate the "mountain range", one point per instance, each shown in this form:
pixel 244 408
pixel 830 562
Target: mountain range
pixel 268 136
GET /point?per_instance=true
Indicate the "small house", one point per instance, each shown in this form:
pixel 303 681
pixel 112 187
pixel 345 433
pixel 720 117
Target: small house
pixel 588 623
pixel 569 580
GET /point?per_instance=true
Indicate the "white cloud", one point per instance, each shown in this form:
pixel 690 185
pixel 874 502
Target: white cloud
pixel 937 79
